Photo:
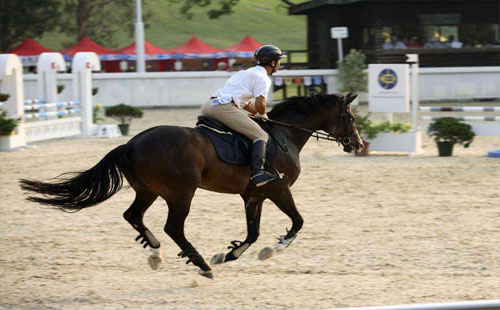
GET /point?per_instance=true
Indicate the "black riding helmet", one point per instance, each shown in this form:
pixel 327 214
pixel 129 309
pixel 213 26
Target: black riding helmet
pixel 267 53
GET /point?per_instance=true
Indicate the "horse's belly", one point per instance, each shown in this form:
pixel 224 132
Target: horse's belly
pixel 231 179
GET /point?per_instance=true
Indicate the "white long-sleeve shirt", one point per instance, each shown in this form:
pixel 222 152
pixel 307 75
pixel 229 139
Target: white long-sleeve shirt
pixel 244 86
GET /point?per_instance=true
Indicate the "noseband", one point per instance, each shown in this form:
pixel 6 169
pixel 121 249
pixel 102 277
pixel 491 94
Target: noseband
pixel 345 140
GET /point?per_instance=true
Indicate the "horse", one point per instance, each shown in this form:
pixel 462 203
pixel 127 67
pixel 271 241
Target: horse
pixel 172 162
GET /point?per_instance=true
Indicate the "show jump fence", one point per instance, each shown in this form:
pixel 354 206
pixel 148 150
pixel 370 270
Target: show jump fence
pixel 488 125
pixel 45 117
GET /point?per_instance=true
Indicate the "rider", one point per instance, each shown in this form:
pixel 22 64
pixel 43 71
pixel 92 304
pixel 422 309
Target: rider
pixel 226 103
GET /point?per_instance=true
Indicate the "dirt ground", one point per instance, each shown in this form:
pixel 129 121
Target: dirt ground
pixel 379 230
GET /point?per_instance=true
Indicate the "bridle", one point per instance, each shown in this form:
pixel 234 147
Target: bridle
pixel 343 119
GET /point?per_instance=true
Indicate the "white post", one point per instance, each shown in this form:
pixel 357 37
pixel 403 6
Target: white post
pixel 47 67
pixel 415 94
pixel 11 79
pixel 341 51
pixel 83 64
pixel 139 39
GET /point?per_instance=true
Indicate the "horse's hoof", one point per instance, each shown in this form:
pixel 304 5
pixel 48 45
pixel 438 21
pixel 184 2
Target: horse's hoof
pixel 217 259
pixel 207 274
pixel 279 247
pixel 155 259
pixel 266 253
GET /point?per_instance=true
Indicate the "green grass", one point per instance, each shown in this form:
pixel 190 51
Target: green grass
pixel 267 21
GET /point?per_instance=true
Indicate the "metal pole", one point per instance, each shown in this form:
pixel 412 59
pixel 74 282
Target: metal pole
pixel 139 39
pixel 341 51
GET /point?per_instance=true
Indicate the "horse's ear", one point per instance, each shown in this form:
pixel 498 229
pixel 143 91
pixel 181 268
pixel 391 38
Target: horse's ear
pixel 350 98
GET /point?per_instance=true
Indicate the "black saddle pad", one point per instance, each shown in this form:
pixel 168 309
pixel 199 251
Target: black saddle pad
pixel 231 146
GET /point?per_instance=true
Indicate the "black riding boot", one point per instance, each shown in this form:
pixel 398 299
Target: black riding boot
pixel 259 176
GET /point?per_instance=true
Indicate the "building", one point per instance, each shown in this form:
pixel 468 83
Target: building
pixel 445 33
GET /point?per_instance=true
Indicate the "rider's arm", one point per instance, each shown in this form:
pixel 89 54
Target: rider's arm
pixel 260 104
pixel 250 107
pixel 258 107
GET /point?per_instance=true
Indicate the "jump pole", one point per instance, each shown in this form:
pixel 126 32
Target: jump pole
pixel 464 305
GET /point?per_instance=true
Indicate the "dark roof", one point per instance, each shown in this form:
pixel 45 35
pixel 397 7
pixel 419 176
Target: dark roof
pixel 302 8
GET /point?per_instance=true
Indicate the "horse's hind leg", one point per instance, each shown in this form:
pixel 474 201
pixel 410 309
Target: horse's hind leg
pixel 178 210
pixel 135 215
pixel 253 210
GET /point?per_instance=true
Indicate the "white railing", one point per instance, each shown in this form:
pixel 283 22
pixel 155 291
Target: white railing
pixel 178 89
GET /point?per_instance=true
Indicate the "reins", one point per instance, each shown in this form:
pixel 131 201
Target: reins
pixel 315 134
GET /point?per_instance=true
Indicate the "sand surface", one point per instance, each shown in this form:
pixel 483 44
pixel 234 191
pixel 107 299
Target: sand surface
pixel 378 230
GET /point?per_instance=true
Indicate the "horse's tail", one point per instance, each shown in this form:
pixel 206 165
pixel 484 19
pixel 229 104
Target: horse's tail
pixel 82 189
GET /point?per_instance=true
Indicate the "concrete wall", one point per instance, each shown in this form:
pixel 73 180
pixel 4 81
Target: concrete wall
pixel 171 89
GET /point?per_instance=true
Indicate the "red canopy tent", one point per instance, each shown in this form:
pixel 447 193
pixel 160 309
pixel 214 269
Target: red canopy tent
pixel 87 45
pixel 150 49
pixel 194 48
pixel 245 48
pixel 109 58
pixel 29 48
pixel 28 51
pixel 158 59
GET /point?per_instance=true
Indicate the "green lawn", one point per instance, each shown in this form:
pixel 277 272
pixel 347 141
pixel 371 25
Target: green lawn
pixel 266 21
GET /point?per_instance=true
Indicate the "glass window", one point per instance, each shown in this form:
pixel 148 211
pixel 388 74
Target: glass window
pixel 438 36
pixel 480 35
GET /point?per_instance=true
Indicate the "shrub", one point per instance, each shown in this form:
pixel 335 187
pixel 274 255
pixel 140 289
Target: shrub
pixel 448 129
pixel 369 130
pixel 351 73
pixel 123 113
pixel 7 125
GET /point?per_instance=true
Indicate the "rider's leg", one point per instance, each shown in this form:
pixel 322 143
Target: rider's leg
pixel 258 159
pixel 234 118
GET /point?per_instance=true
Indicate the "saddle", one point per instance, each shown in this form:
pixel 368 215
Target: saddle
pixel 231 146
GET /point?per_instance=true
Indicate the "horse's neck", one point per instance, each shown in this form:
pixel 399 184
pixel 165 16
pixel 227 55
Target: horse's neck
pixel 299 137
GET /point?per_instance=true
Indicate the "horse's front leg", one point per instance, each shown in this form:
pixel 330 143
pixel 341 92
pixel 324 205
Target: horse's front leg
pixel 253 210
pixel 284 200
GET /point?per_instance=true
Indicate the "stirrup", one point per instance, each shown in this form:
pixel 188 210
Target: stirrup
pixel 263 177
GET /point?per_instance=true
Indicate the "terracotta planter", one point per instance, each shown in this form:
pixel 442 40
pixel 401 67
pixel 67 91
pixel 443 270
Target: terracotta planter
pixel 365 151
pixel 445 148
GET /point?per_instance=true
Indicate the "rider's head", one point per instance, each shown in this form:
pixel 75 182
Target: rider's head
pixel 268 56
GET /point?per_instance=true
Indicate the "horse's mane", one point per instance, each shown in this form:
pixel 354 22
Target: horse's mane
pixel 305 105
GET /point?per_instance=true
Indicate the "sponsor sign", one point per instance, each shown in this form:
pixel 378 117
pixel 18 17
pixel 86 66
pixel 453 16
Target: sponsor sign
pixel 339 32
pixel 389 88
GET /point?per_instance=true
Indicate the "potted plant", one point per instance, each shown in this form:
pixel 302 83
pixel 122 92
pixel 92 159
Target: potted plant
pixel 60 88
pixel 7 125
pixel 95 113
pixel 9 139
pixel 447 132
pixel 352 75
pixel 4 97
pixel 366 130
pixel 95 90
pixel 369 131
pixel 123 113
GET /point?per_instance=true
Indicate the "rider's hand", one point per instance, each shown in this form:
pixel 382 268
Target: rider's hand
pixel 262 116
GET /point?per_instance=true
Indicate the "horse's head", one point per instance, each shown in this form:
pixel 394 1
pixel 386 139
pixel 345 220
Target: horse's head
pixel 340 123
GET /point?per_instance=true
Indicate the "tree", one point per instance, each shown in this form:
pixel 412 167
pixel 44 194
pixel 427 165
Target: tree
pixel 225 7
pixel 99 19
pixel 26 19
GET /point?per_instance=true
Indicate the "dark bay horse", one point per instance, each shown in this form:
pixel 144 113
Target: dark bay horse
pixel 172 162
